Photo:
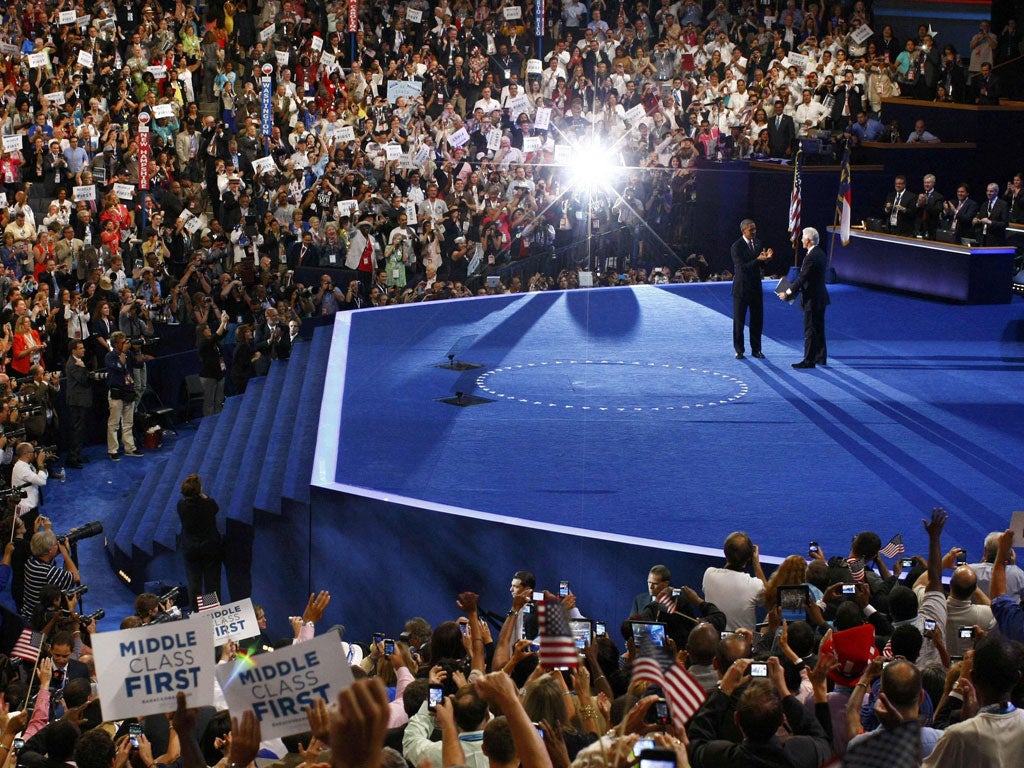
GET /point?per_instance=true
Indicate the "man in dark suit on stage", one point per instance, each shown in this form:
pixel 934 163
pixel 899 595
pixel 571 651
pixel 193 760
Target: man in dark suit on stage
pixel 813 300
pixel 901 209
pixel 960 213
pixel 929 208
pixel 781 131
pixel 747 255
pixel 992 217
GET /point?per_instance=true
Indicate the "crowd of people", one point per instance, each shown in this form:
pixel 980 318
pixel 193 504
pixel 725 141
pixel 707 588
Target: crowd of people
pixel 866 657
pixel 438 154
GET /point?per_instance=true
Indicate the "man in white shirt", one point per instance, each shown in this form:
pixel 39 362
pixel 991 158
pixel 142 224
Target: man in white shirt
pixel 29 474
pixel 731 588
pixel 809 114
pixel 486 102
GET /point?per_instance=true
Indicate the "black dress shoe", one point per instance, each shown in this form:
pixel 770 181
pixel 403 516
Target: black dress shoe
pixel 759 355
pixel 739 355
pixel 803 364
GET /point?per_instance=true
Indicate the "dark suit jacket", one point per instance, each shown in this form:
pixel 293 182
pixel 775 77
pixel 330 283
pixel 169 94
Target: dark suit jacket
pixel 1000 217
pixel 746 280
pixel 781 138
pixel 856 102
pixel 928 215
pixel 963 222
pixel 904 218
pixel 811 282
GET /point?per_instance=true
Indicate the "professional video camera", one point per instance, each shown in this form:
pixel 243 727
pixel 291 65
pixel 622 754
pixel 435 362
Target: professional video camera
pixel 88 618
pixel 13 435
pixel 87 531
pixel 6 494
pixel 143 341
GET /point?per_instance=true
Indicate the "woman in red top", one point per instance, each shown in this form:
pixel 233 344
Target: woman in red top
pixel 27 347
pixel 111 236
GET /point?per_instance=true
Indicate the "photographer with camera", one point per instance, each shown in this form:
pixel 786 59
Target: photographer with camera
pixel 120 361
pixel 200 541
pixel 41 569
pixel 211 364
pixel 328 299
pixel 29 474
pixel 39 418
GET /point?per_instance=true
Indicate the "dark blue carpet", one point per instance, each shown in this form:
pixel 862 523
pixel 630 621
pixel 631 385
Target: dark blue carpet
pixel 622 411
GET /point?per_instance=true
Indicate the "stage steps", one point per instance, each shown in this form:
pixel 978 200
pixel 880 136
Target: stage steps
pixel 271 481
pixel 299 467
pixel 256 452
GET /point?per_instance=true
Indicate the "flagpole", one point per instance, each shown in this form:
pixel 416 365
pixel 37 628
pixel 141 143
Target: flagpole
pixel 795 234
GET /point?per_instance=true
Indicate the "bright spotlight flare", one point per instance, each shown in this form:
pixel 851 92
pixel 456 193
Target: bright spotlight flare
pixel 593 165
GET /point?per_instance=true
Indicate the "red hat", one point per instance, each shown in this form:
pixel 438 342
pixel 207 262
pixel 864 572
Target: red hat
pixel 855 648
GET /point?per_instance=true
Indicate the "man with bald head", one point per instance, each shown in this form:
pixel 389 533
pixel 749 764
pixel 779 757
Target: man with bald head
pixel 963 610
pixel 901 684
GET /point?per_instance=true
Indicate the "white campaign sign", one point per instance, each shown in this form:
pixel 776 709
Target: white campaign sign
pixel 422 155
pixel 234 621
pixel 125 191
pixel 267 33
pixel 158 71
pixel 66 17
pixel 494 139
pixel 534 66
pixel 531 144
pixel 328 59
pixel 543 118
pixel 513 12
pixel 861 34
pixel 517 106
pixel 263 165
pixel 636 113
pixel 282 57
pixel 85 192
pixel 279 686
pixel 797 60
pixel 13 143
pixel 57 97
pixel 458 138
pixel 346 133
pixel 348 207
pixel 192 225
pixel 317 43
pixel 392 151
pixel 140 671
pixel 163 110
pixel 37 60
pixel 414 15
pixel 85 59
pixel 410 214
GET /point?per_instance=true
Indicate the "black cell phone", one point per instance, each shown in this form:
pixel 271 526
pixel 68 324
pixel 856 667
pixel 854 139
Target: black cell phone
pixel 17 745
pixel 378 637
pixel 966 633
pixel 659 714
pixel 599 629
pixel 657 758
pixel 389 646
pixel 849 589
pixel 134 732
pixel 436 696
pixel 676 591
pixel 907 563
pixel 540 731
pixel 813 547
pixel 563 589
pixel 961 558
pixel 929 625
pixel 759 669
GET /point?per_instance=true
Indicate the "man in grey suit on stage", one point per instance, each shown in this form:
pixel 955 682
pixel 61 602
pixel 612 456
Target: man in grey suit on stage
pixel 813 300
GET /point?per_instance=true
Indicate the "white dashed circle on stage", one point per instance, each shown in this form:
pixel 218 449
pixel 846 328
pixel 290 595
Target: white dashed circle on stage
pixel 609 385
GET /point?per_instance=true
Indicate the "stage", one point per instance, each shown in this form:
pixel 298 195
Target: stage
pixel 619 431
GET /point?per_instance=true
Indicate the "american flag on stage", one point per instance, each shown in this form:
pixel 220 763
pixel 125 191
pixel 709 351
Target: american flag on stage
pixel 856 568
pixel 557 646
pixel 27 646
pixel 682 691
pixel 207 601
pixel 844 204
pixel 894 547
pixel 796 201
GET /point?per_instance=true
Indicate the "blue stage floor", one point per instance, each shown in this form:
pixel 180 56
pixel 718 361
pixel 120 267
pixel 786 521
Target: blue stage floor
pixel 621 415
